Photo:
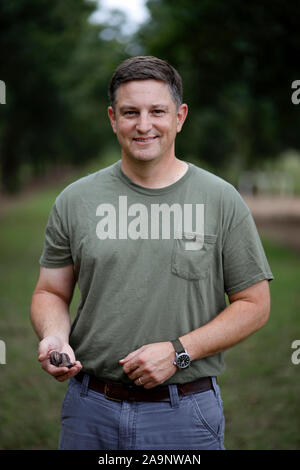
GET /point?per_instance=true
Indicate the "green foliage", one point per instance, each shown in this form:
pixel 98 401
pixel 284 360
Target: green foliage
pixel 238 61
pixel 56 69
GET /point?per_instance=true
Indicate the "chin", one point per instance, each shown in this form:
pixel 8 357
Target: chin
pixel 144 158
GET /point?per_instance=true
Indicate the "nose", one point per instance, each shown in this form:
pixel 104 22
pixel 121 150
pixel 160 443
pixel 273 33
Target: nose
pixel 143 124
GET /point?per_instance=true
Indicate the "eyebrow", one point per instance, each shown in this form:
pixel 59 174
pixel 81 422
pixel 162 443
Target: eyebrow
pixel 160 106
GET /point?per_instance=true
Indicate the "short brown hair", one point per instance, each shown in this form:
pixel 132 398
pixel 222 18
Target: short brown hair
pixel 144 68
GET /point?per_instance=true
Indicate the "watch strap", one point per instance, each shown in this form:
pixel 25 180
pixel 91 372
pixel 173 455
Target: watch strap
pixel 178 345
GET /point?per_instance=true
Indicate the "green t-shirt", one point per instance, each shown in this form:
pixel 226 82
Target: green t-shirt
pixel 151 264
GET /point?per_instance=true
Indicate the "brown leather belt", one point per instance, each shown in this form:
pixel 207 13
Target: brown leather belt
pixel 118 391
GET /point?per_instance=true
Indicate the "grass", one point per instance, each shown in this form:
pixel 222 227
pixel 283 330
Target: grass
pixel 260 387
pixel 261 384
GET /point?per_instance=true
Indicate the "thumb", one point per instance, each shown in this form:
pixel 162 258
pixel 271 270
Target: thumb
pixel 49 343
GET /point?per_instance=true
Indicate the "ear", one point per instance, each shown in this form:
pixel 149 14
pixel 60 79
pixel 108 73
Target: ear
pixel 112 118
pixel 181 116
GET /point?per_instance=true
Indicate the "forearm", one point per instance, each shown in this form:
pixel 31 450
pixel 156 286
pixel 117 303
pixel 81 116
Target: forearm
pixel 248 311
pixel 50 315
pixel 235 323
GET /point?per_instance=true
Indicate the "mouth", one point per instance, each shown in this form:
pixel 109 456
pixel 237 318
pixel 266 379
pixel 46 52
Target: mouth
pixel 145 140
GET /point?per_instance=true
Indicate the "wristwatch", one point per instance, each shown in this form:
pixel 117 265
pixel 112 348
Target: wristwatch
pixel 183 359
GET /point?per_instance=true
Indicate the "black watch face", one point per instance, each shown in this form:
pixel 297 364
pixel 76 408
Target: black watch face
pixel 183 360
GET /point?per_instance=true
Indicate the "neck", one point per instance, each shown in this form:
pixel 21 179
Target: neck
pixel 154 174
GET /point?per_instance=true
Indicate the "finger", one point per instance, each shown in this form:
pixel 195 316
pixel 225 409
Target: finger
pixel 135 374
pixel 149 385
pixel 132 355
pixel 47 345
pixel 141 381
pixel 57 371
pixel 61 377
pixel 61 370
pixel 130 367
pixel 43 353
pixel 75 368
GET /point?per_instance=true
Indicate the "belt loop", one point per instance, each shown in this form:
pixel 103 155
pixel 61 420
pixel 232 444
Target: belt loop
pixel 84 385
pixel 174 398
pixel 215 386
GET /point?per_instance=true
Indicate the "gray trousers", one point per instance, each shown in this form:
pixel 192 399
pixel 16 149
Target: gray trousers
pixel 89 421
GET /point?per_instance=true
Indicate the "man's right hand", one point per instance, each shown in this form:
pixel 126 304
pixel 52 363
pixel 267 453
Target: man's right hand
pixel 54 343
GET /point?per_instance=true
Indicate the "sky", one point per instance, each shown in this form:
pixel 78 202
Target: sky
pixel 135 10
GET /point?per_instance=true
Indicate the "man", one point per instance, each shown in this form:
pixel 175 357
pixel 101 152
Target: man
pixel 154 244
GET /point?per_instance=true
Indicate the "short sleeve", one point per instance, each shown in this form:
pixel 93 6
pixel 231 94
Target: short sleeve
pixel 56 252
pixel 244 259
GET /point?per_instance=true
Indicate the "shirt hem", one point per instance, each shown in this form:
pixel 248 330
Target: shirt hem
pixel 260 277
pixel 49 264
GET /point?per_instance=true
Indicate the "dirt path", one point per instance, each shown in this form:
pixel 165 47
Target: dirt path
pixel 277 218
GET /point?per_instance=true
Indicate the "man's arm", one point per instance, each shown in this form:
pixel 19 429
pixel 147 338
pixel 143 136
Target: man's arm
pixel 248 312
pixel 51 319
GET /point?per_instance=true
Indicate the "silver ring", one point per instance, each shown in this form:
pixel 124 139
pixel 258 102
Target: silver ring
pixel 139 381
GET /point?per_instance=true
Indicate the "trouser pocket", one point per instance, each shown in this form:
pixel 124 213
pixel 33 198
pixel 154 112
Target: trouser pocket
pixel 209 412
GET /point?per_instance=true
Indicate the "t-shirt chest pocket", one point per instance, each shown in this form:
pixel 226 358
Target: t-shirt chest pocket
pixel 192 255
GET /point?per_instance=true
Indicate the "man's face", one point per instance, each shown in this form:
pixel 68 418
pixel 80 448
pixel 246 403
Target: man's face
pixel 146 120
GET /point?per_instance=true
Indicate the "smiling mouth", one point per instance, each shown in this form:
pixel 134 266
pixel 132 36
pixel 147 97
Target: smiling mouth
pixel 145 140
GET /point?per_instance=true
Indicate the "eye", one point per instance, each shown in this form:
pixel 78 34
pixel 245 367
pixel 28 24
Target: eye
pixel 158 112
pixel 130 113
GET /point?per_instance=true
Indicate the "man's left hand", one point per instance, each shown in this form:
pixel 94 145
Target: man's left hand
pixel 150 365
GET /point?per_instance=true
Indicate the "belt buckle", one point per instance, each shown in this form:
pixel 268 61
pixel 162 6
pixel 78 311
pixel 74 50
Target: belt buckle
pixel 108 397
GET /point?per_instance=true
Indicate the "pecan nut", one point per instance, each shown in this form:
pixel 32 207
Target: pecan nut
pixel 60 359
